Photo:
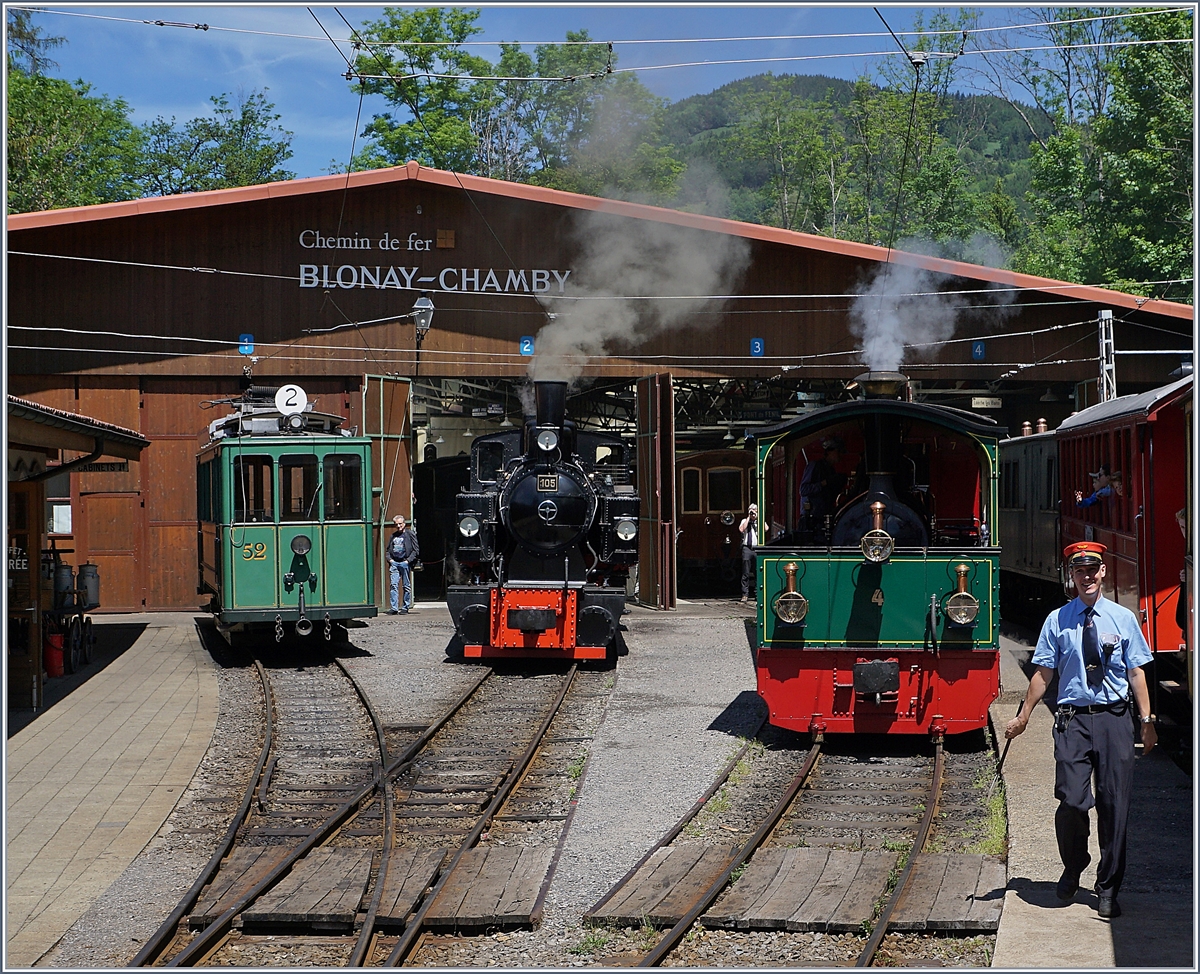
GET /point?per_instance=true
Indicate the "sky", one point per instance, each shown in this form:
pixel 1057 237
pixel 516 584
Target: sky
pixel 172 71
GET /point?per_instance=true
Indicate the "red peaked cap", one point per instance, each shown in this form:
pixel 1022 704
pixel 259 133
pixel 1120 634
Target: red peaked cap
pixel 1084 553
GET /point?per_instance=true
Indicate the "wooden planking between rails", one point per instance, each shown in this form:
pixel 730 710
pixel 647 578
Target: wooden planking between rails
pixel 243 870
pixel 494 886
pixel 827 890
pixel 667 885
pixel 323 890
pixel 410 873
pixel 960 892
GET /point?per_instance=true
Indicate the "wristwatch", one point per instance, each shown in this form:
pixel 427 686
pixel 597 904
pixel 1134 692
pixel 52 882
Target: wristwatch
pixel 1148 719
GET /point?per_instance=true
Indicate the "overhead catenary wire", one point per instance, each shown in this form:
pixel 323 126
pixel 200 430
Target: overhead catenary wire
pixel 731 39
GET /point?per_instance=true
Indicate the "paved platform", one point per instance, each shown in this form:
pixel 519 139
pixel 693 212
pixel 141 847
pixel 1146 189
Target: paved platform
pixel 91 780
pixel 1157 925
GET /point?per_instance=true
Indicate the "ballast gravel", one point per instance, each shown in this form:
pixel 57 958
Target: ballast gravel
pixel 680 706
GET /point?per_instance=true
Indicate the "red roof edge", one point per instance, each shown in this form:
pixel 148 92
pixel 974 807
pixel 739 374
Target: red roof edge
pixel 521 191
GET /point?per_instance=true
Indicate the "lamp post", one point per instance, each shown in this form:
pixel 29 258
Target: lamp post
pixel 422 315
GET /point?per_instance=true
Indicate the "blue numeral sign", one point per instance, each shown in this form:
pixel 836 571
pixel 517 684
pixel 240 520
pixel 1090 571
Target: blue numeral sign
pixel 246 344
pixel 526 344
pixel 757 346
pixel 978 351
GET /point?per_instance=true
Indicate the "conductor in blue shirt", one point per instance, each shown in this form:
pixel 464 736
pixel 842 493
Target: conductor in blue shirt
pixel 1097 648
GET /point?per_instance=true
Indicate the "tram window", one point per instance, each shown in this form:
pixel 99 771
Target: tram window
pixel 253 492
pixel 691 491
pixel 299 482
pixel 725 489
pixel 343 487
pixel 204 492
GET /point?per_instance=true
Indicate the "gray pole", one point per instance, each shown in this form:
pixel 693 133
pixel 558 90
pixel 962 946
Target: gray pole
pixel 1107 387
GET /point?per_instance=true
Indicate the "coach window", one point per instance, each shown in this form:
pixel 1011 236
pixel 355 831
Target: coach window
pixel 1050 497
pixel 489 462
pixel 343 487
pixel 725 489
pixel 253 489
pixel 690 503
pixel 298 496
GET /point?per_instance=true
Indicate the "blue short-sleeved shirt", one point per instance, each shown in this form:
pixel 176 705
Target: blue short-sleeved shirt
pixel 1060 647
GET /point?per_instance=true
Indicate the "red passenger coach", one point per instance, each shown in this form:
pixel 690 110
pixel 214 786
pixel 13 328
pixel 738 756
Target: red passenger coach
pixel 1143 444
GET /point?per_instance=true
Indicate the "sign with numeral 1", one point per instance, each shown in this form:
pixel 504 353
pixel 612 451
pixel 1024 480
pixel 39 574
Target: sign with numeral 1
pixel 246 344
pixel 757 347
pixel 526 344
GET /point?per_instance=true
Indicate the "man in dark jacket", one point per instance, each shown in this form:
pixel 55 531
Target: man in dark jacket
pixel 402 553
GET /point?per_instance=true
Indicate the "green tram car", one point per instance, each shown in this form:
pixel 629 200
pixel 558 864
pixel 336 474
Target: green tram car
pixel 286 540
pixel 877 580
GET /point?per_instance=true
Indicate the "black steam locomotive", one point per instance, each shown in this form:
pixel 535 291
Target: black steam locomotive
pixel 546 535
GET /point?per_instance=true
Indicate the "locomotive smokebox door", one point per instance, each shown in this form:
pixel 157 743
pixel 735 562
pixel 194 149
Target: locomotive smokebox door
pixel 877 676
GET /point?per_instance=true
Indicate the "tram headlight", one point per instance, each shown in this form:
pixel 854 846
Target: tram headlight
pixel 962 608
pixel 626 530
pixel 301 544
pixel 791 607
pixel 547 440
pixel 468 527
pixel 877 545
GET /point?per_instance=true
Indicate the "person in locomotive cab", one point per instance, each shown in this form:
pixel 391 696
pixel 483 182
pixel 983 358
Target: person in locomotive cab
pixel 1097 648
pixel 821 483
pixel 749 529
pixel 402 554
pixel 1104 484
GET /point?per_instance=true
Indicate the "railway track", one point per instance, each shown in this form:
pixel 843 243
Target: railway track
pixel 834 854
pixel 355 838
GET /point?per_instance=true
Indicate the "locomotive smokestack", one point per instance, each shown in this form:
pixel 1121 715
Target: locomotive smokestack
pixel 551 403
pixel 884 385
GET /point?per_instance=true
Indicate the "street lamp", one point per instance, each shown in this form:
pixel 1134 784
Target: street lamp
pixel 422 315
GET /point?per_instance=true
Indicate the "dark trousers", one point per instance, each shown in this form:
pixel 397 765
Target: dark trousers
pixel 1099 744
pixel 747 571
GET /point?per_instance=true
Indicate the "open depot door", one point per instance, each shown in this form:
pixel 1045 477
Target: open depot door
pixel 387 420
pixel 656 487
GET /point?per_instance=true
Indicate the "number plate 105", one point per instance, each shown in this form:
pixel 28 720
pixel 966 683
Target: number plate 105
pixel 548 483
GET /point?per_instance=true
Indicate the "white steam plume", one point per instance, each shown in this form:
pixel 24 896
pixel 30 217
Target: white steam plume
pixel 899 305
pixel 620 260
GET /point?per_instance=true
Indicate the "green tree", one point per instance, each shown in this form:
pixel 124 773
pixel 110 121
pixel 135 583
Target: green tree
pixel 420 56
pixel 27 45
pixel 240 145
pixel 1144 209
pixel 66 147
pixel 790 140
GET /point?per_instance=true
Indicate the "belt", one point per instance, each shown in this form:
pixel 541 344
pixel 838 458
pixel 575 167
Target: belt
pixel 1119 707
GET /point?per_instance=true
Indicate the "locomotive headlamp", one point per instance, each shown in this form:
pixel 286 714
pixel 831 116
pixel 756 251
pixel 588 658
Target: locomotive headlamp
pixel 294 422
pixel 302 544
pixel 790 606
pixel 962 607
pixel 468 527
pixel 626 530
pixel 547 440
pixel 877 545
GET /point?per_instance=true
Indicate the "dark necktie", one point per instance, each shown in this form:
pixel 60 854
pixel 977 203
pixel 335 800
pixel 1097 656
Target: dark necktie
pixel 1091 648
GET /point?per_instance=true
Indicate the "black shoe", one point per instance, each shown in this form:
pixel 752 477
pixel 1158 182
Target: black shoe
pixel 404 612
pixel 391 612
pixel 1068 886
pixel 1108 907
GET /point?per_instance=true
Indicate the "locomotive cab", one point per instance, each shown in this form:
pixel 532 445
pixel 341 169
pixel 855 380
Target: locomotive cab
pixel 546 534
